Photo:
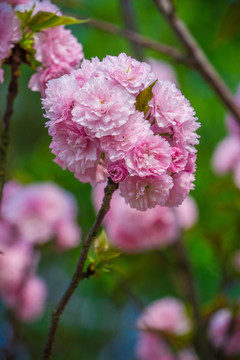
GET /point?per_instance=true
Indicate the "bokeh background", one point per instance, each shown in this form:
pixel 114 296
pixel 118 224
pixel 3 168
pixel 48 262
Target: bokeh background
pixel 99 322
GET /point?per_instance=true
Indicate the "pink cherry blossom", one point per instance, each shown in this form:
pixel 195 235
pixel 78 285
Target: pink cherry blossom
pixel 116 148
pixel 102 107
pixel 130 73
pixel 173 115
pixel 182 184
pixel 96 130
pixel 10 32
pixel 146 193
pixel 58 51
pixel 87 70
pixel 38 81
pixel 59 99
pixel 36 5
pixel 117 172
pixel 167 315
pixel 56 46
pixel 76 150
pixel 149 156
pixel 179 159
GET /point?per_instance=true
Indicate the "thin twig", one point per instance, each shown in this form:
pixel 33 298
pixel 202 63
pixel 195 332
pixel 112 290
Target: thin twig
pixel 15 62
pixel 202 64
pixel 141 40
pixel 129 18
pixel 79 275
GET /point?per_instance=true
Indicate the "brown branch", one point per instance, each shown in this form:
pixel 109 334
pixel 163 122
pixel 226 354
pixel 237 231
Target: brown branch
pixel 79 275
pixel 202 64
pixel 141 40
pixel 15 62
pixel 128 13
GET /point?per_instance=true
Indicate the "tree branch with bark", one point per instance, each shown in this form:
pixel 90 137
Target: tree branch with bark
pixel 79 273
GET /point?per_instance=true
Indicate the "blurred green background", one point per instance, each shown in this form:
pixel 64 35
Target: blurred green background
pixel 99 323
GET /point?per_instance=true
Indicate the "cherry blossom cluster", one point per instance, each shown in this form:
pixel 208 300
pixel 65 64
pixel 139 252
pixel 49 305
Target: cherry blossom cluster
pixel 113 118
pixel 227 154
pixel 134 231
pixel 57 50
pixel 163 317
pixel 31 216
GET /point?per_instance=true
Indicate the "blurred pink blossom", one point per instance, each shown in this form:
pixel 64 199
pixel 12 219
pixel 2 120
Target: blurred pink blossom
pixel 32 215
pixel 14 262
pixel 154 347
pixel 162 70
pixel 167 315
pixel 38 209
pixel 187 213
pixel 134 231
pixel 31 299
pixel 68 234
pixel 228 343
pixel 226 157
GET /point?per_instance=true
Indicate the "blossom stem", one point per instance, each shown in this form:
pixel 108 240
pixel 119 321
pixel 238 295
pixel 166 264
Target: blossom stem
pixel 15 62
pixel 201 62
pixel 79 274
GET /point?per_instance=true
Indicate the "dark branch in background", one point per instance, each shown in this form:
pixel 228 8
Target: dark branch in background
pixel 141 40
pixel 15 62
pixel 194 50
pixel 79 275
pixel 202 345
pixel 130 22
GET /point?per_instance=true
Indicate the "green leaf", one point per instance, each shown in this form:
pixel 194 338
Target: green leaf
pixel 143 98
pixel 43 20
pixel 101 244
pixel 24 17
pixel 115 267
pixel 106 257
